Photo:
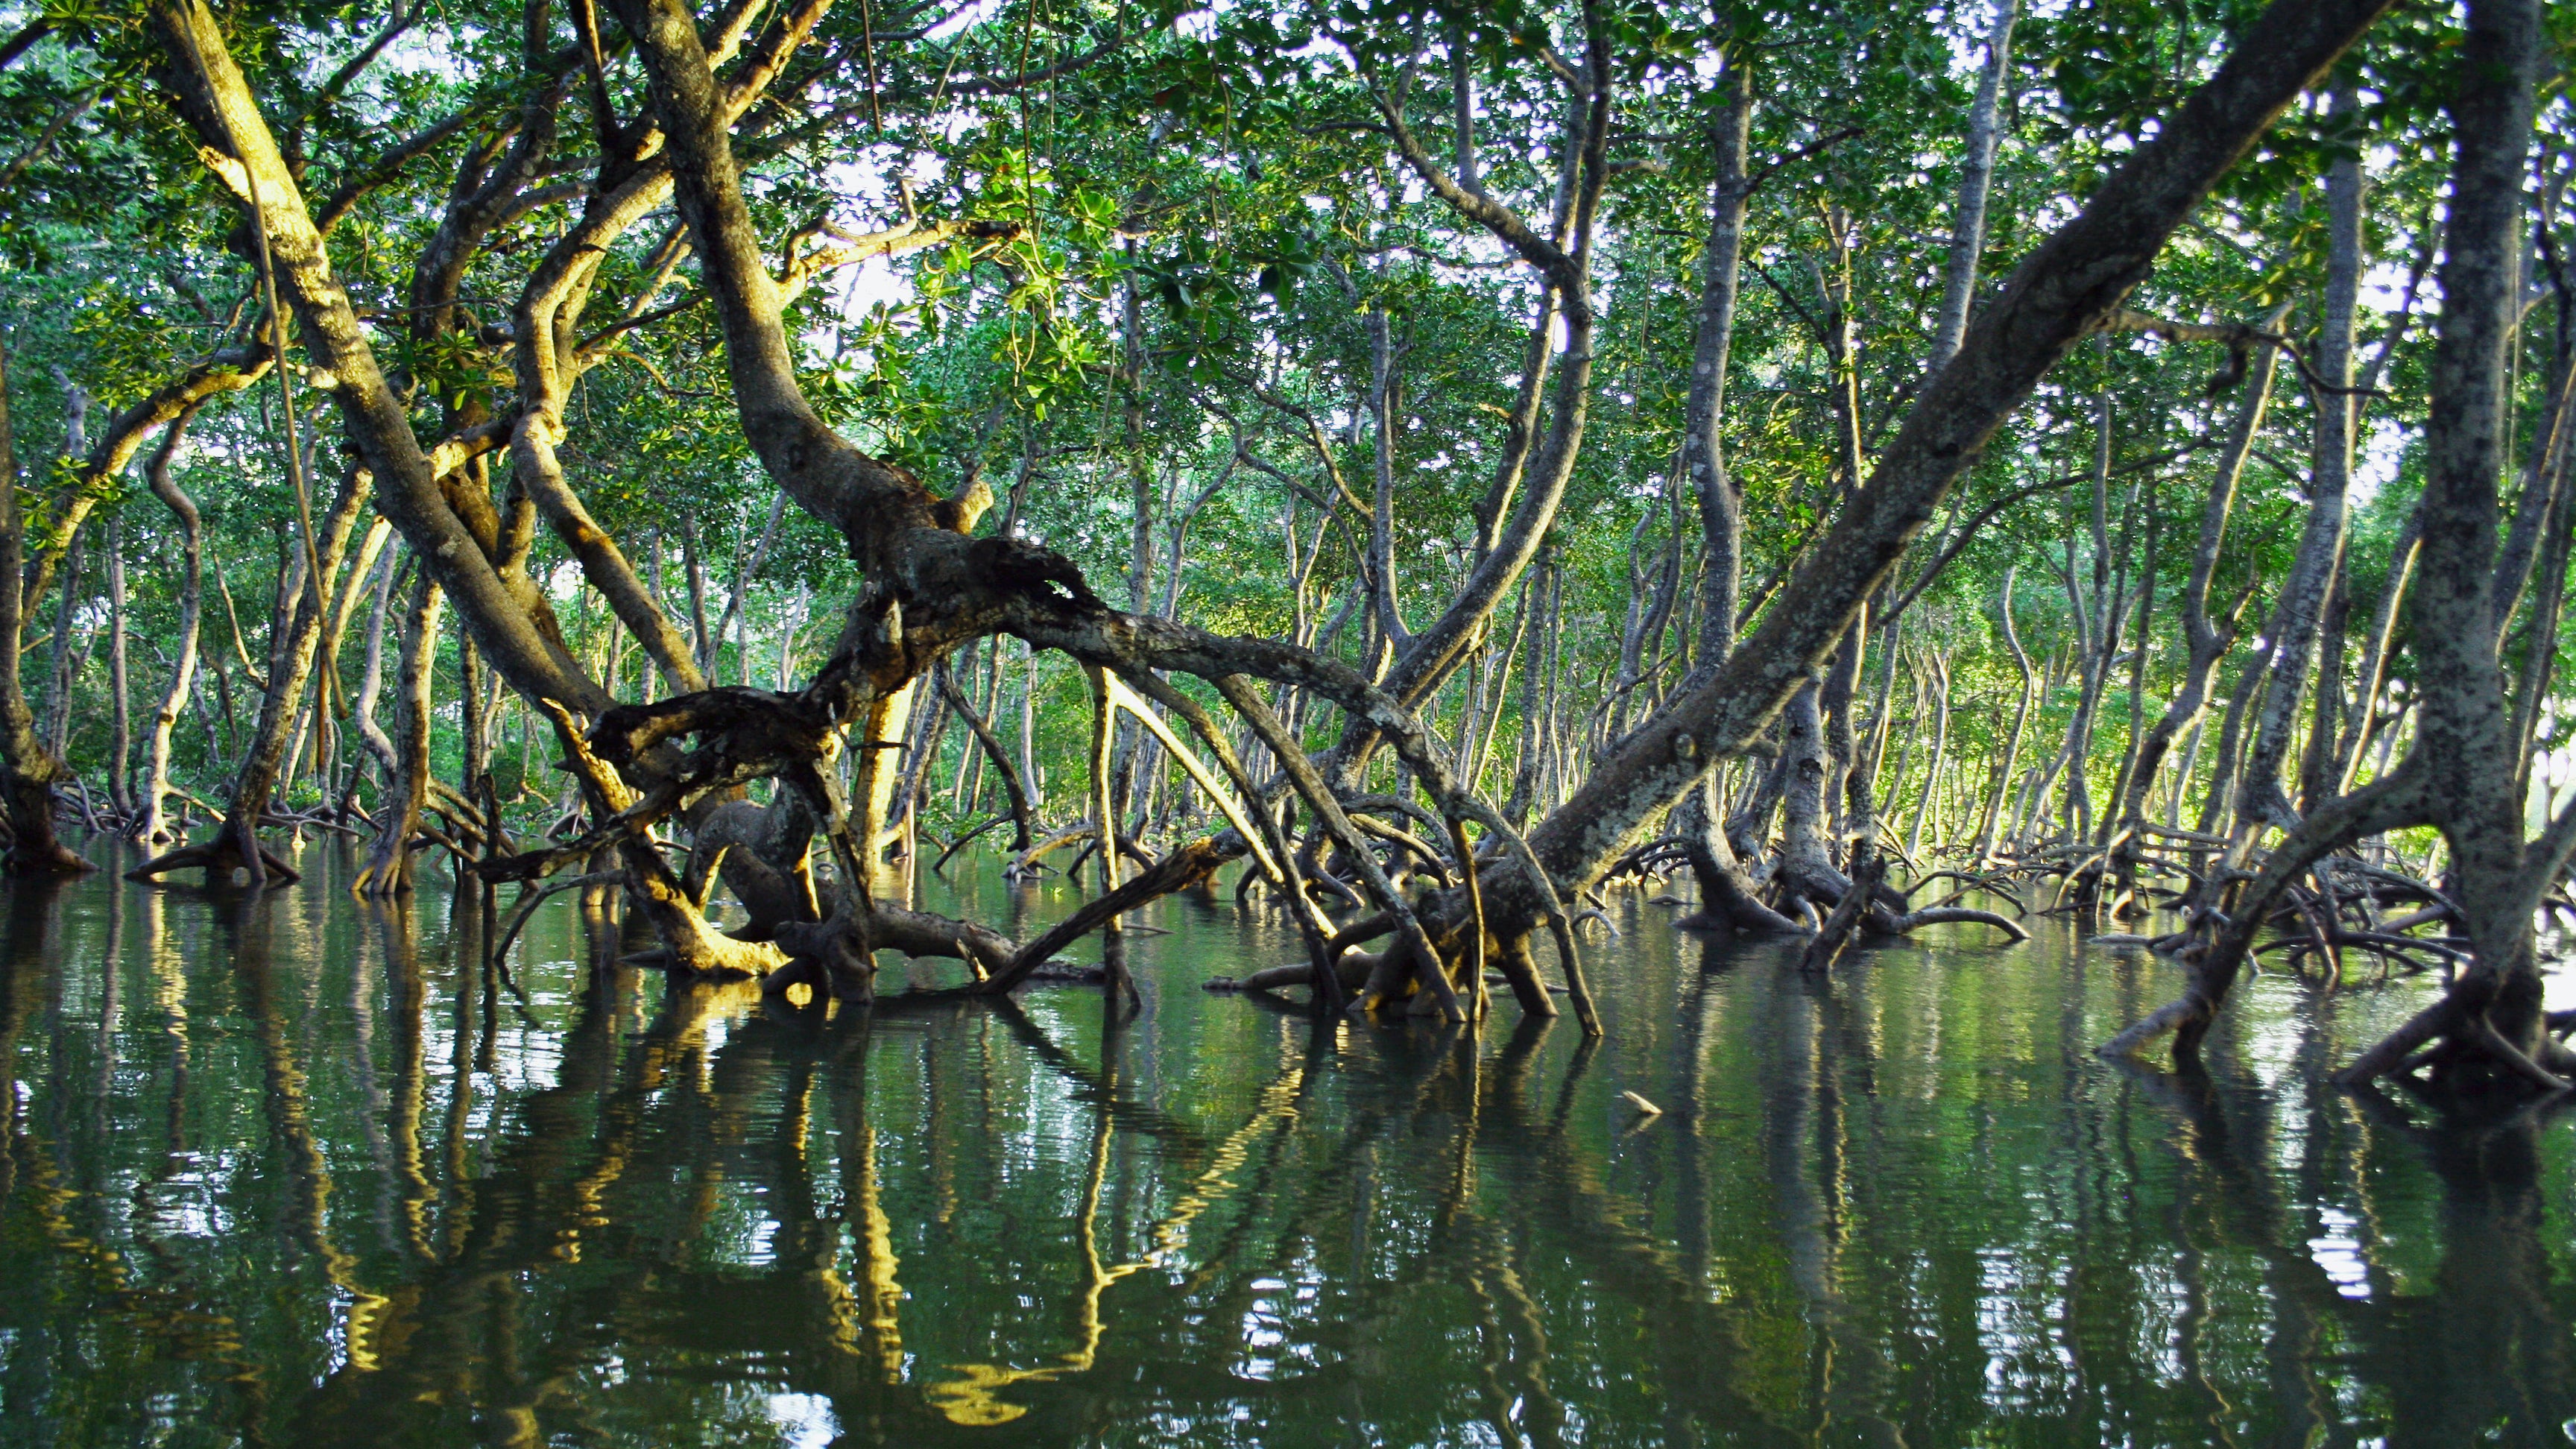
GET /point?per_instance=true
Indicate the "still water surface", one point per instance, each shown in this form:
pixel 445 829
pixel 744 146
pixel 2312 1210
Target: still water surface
pixel 294 1171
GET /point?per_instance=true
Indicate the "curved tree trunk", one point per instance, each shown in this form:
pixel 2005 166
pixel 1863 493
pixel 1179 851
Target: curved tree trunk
pixel 2205 641
pixel 227 370
pixel 1727 894
pixel 2299 612
pixel 236 846
pixel 120 739
pixel 371 683
pixel 151 826
pixel 1023 819
pixel 1429 657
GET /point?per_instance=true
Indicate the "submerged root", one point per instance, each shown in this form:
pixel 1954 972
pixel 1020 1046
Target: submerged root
pixel 1947 915
pixel 2458 1042
pixel 1353 968
pixel 34 849
pixel 220 858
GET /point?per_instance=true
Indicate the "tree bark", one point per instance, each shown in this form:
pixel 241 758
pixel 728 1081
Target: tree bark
pixel 388 870
pixel 2003 781
pixel 2463 729
pixel 1727 894
pixel 510 621
pixel 1976 178
pixel 1807 866
pixel 2299 612
pixel 1564 264
pixel 2460 775
pixel 371 683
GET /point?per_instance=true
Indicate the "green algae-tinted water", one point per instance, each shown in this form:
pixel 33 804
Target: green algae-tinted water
pixel 296 1171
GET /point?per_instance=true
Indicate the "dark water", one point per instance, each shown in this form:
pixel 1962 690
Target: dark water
pixel 298 1172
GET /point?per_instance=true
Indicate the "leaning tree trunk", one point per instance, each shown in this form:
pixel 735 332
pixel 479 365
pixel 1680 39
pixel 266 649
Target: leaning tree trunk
pixel 2067 287
pixel 1976 180
pixel 1510 546
pixel 28 771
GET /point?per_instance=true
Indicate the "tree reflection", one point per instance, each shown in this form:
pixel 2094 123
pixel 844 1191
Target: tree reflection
pixel 326 1177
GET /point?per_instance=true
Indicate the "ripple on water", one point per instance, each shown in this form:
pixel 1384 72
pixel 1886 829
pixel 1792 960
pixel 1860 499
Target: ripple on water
pixel 299 1171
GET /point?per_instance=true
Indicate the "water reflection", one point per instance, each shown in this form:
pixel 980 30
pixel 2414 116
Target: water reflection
pixel 287 1169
